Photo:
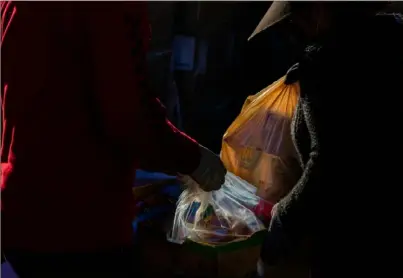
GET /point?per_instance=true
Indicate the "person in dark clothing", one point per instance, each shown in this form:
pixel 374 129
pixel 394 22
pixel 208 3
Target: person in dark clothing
pixel 347 129
pixel 77 121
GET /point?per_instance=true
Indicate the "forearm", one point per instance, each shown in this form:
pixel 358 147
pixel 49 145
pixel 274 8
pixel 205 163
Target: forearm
pixel 167 149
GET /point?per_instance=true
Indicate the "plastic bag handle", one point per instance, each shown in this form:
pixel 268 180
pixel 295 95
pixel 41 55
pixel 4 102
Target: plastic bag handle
pixel 292 75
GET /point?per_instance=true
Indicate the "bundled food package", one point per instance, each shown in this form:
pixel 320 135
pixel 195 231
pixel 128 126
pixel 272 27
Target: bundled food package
pixel 218 217
pixel 219 228
pixel 258 146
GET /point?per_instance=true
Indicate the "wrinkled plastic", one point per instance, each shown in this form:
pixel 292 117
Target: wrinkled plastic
pixel 218 217
pixel 258 146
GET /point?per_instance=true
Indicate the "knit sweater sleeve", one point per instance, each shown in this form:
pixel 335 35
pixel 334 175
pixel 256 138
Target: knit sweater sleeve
pixel 337 83
pixel 296 206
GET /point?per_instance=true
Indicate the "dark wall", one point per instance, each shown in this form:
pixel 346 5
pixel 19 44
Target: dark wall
pixel 210 101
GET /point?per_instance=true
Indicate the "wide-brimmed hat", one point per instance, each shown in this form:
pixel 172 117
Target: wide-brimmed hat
pixel 280 10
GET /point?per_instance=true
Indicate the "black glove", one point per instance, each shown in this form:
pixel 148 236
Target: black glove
pixel 210 174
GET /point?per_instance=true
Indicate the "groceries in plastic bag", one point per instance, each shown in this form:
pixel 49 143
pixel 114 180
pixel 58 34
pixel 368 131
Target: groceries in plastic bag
pixel 218 217
pixel 258 146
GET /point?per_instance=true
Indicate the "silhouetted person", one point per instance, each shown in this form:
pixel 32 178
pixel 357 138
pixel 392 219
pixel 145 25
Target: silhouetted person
pixel 348 132
pixel 78 120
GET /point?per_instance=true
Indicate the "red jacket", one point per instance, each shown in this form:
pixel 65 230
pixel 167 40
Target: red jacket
pixel 77 120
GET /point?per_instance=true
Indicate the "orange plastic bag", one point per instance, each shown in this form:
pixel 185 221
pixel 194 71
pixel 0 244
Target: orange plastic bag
pixel 258 147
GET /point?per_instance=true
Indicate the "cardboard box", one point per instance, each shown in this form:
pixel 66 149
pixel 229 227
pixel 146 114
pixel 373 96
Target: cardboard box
pixel 235 260
pixel 164 259
pixel 158 256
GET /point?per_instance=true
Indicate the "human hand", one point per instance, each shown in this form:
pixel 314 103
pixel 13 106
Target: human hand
pixel 210 174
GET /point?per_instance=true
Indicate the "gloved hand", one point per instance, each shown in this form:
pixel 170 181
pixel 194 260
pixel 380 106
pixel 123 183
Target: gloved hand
pixel 210 174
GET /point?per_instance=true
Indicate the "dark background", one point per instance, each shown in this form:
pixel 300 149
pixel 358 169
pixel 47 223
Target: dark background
pixel 210 101
pixel 236 67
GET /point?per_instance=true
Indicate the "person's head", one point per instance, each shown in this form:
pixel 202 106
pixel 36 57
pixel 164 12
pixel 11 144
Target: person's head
pixel 310 18
pixel 316 17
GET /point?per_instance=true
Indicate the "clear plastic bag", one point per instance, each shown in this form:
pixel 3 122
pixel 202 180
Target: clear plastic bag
pixel 219 217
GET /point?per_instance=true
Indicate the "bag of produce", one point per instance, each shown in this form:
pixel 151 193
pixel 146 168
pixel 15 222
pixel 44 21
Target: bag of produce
pixel 258 146
pixel 218 217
